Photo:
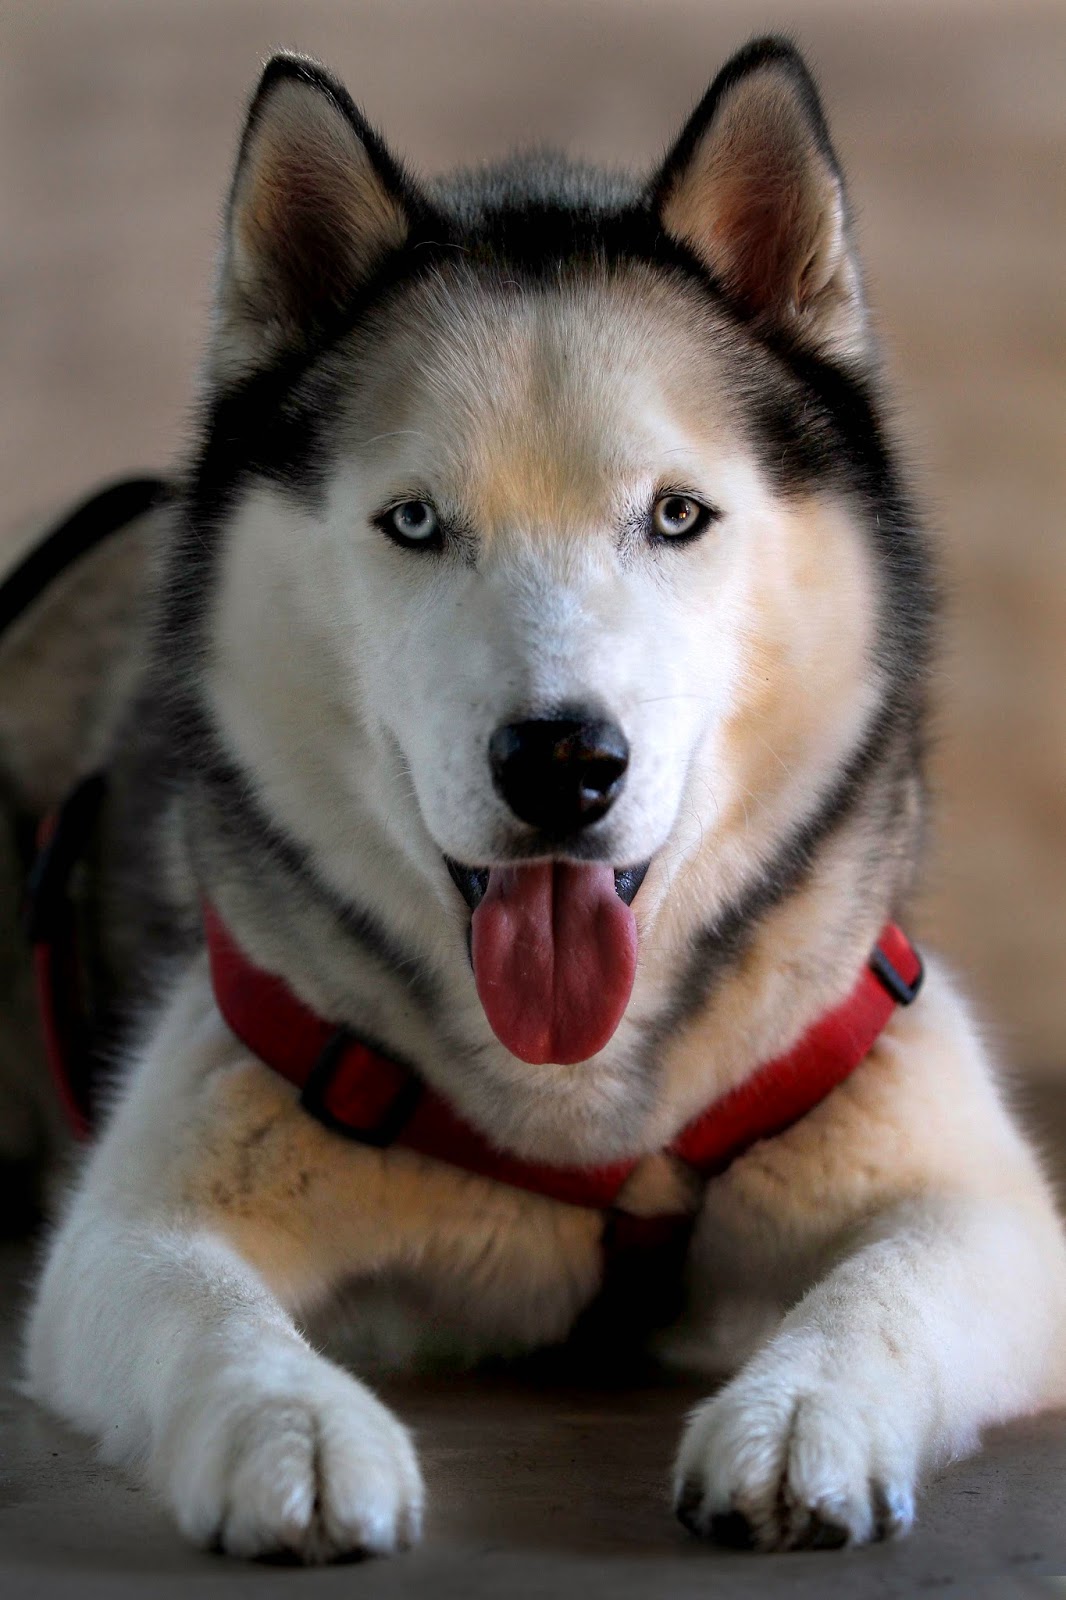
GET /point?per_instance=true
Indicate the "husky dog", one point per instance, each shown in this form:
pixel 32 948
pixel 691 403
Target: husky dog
pixel 536 689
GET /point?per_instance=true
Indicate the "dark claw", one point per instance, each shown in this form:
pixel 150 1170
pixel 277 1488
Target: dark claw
pixel 890 1511
pixel 732 1528
pixel 688 1506
pixel 822 1535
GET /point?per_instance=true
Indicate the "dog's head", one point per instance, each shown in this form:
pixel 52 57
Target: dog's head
pixel 560 521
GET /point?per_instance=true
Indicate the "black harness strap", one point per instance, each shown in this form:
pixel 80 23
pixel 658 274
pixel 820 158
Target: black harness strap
pixel 88 525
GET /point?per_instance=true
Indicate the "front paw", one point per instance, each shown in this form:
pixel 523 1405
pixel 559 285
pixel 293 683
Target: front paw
pixel 302 1462
pixel 788 1461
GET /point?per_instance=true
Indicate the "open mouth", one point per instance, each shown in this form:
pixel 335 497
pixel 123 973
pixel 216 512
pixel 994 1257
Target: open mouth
pixel 553 945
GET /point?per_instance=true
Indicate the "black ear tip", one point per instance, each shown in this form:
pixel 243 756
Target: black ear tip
pixel 773 51
pixel 771 47
pixel 286 66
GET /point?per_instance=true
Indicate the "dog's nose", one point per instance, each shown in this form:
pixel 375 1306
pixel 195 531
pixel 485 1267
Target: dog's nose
pixel 559 774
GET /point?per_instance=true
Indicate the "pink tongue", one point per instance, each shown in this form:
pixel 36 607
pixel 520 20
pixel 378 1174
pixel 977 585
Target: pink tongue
pixel 555 954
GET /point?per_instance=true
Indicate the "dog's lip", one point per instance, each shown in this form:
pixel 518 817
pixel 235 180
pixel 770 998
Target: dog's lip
pixel 472 882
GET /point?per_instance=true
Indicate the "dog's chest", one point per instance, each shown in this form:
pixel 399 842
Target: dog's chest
pixel 481 1263
pixel 604 1285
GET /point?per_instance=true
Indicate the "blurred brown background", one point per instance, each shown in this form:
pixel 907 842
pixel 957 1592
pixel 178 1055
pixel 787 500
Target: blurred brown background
pixel 118 122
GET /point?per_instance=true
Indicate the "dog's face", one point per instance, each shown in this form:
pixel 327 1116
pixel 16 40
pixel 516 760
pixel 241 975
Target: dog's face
pixel 552 506
pixel 541 531
pixel 574 574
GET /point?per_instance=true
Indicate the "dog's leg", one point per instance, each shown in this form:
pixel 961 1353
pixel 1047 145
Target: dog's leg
pixel 156 1334
pixel 943 1307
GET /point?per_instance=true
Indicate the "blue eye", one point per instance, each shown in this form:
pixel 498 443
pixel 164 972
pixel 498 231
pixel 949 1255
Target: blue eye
pixel 413 523
pixel 679 517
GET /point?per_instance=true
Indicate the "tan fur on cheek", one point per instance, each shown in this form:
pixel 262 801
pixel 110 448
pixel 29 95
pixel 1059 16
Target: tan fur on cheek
pixel 807 679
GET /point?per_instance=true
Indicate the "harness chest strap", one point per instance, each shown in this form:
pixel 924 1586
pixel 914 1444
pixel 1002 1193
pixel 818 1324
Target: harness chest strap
pixel 379 1100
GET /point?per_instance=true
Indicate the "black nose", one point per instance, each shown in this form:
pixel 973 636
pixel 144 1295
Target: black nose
pixel 559 774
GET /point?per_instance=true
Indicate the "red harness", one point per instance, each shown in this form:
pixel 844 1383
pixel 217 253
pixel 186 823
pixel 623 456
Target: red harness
pixel 378 1100
pixel 353 1088
pixel 359 1091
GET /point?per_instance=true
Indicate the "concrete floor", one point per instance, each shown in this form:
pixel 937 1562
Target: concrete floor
pixel 535 1490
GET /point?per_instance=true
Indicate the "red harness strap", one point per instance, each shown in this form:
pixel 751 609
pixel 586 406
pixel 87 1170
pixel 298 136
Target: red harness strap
pixel 52 927
pixel 357 1090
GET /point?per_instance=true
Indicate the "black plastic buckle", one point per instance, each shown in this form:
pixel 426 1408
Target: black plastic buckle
pixel 314 1091
pixel 902 992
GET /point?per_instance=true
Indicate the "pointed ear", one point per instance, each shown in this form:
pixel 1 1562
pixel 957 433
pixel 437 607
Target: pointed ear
pixel 316 206
pixel 754 190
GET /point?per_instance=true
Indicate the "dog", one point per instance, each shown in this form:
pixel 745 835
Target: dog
pixel 513 787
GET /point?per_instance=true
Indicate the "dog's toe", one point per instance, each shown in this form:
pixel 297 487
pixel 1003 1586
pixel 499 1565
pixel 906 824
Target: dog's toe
pixel 787 1465
pixel 322 1472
